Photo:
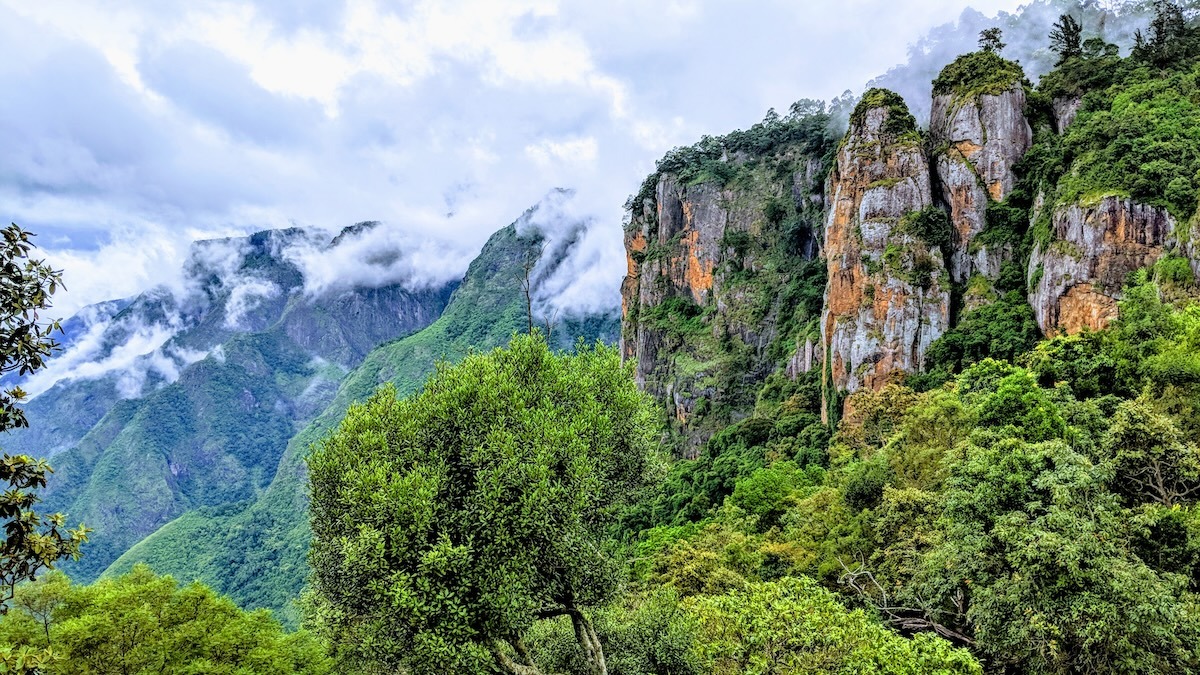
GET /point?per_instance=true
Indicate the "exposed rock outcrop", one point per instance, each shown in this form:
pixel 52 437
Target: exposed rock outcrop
pixel 980 139
pixel 1075 281
pixel 1065 108
pixel 701 300
pixel 888 295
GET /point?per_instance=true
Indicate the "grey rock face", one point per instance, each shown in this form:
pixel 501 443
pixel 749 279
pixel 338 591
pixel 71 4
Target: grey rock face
pixel 982 139
pixel 887 297
pixel 1065 109
pixel 1075 281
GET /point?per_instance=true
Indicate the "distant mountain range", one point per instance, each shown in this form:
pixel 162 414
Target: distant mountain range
pixel 180 418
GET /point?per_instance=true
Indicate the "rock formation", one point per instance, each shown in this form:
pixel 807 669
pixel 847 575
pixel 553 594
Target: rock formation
pixel 981 137
pixel 1075 280
pixel 701 300
pixel 888 294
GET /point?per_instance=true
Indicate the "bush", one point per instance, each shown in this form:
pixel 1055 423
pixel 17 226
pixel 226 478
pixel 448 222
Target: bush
pixel 978 73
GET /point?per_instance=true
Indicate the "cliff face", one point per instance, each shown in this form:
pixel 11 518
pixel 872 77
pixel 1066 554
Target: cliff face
pixel 713 248
pixel 1075 280
pixel 981 137
pixel 888 294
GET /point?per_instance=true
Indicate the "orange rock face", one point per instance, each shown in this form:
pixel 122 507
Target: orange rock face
pixel 887 298
pixel 1076 279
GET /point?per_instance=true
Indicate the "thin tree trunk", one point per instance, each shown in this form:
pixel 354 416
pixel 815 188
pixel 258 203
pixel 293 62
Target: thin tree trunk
pixel 586 635
pixel 508 665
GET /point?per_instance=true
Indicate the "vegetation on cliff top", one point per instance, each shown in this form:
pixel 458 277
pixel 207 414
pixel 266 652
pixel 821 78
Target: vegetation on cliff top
pixel 805 129
pixel 1138 125
pixel 899 120
pixel 976 74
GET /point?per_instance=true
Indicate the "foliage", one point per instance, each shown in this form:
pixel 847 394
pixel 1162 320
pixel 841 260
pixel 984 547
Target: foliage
pixel 898 121
pixel 26 340
pixel 1003 329
pixel 140 623
pixel 1066 39
pixel 1020 518
pixel 32 542
pixel 644 634
pixel 793 626
pixel 976 74
pixel 1138 126
pixel 990 40
pixel 1170 38
pixel 446 523
pixel 932 226
pixel 805 129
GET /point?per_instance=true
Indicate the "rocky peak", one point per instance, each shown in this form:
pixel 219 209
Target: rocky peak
pixel 716 240
pixel 888 295
pixel 979 128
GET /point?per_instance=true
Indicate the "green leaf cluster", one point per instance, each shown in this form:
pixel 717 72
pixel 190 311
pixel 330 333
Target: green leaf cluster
pixel 140 623
pixel 976 74
pixel 446 523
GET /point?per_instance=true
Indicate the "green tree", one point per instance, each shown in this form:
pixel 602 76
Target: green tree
pixel 140 623
pixel 990 40
pixel 794 626
pixel 446 524
pixel 1066 39
pixel 1153 462
pixel 1032 562
pixel 32 542
pixel 1170 39
pixel 26 340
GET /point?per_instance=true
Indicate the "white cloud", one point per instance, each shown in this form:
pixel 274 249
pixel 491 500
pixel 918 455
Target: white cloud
pixel 143 125
pixel 571 151
pixel 373 256
pixel 246 296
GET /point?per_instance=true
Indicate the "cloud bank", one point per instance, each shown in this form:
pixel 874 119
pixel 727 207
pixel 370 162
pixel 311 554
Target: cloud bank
pixel 141 126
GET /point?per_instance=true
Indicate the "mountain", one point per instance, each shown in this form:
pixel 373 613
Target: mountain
pixel 256 550
pixel 1006 215
pixel 186 397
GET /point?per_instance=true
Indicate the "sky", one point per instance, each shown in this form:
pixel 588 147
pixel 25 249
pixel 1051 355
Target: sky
pixel 130 129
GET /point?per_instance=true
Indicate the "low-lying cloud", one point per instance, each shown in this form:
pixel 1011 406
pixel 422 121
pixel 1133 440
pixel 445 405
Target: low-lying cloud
pixel 373 255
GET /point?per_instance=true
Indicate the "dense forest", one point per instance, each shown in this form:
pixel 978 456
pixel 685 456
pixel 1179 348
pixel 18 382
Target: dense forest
pixel 910 404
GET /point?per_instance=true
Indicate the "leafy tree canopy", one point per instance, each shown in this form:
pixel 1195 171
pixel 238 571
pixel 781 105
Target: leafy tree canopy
pixel 447 523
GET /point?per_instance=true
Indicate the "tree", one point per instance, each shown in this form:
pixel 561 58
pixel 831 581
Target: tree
pixel 990 40
pixel 1031 560
pixel 1066 39
pixel 1170 39
pixel 794 626
pixel 143 623
pixel 447 523
pixel 25 339
pixel 42 599
pixel 32 542
pixel 1152 459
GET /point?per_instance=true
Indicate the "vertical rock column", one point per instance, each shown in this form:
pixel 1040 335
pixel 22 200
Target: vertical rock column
pixel 980 137
pixel 888 293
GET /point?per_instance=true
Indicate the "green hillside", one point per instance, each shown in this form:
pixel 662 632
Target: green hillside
pixel 257 552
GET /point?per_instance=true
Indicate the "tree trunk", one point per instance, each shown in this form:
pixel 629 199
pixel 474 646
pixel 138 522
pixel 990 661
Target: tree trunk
pixel 586 635
pixel 512 667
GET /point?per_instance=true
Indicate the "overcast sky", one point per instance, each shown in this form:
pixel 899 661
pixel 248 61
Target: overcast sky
pixel 128 129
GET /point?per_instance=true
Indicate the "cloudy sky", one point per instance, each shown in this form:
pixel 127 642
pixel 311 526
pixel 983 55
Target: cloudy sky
pixel 131 128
